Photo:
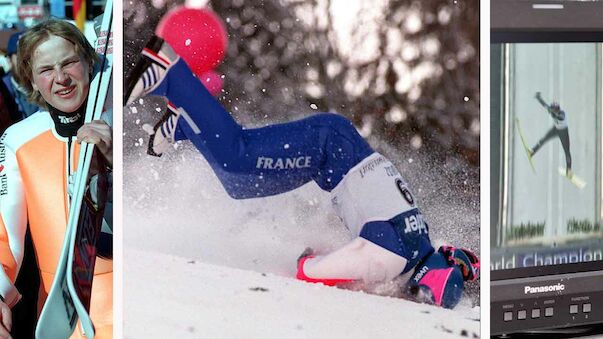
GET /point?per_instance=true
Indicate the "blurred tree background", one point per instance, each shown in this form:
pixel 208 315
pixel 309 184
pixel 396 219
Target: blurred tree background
pixel 406 71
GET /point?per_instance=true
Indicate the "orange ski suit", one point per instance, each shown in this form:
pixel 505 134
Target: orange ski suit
pixel 36 166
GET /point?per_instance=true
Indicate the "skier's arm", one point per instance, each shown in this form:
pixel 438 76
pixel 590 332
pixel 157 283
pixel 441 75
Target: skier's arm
pixel 542 102
pixel 13 222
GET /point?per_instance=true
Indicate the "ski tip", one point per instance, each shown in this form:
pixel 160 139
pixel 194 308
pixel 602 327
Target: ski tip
pixel 574 179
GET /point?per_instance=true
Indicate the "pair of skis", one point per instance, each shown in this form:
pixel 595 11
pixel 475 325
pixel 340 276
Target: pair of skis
pixel 69 297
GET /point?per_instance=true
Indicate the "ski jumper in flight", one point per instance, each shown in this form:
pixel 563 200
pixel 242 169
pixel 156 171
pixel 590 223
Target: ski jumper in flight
pixel 391 236
pixel 559 129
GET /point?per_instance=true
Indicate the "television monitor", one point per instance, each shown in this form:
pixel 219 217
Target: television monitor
pixel 546 165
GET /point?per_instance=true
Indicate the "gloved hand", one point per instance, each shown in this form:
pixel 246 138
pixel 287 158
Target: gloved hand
pixel 465 259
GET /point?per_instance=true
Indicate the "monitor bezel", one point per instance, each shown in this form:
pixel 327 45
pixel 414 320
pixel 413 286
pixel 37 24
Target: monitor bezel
pixel 546 21
pixel 532 36
pixel 537 271
pixel 543 30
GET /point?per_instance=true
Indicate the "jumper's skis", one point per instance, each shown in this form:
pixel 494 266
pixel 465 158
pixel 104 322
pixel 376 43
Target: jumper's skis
pixel 525 145
pixel 82 251
pixel 574 179
pixel 69 296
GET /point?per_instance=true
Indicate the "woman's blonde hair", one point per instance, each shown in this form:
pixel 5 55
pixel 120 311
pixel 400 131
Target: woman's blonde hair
pixel 38 34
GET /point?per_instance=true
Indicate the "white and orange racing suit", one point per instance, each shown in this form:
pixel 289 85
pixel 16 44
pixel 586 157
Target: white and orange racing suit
pixel 36 166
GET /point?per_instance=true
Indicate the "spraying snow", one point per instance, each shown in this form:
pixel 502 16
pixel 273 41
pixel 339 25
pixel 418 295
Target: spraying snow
pixel 176 205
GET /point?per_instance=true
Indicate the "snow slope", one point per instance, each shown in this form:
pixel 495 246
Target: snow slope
pixel 174 297
pixel 176 211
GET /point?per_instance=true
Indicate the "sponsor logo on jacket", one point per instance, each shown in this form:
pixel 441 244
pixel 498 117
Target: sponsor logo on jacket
pixel 421 273
pixel 3 184
pixel 67 120
pixel 2 148
pixel 3 178
pixel 415 223
pixel 371 165
pixel 283 163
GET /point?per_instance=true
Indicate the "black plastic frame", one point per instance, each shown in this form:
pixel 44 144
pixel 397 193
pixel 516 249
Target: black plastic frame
pixel 517 21
pixel 538 271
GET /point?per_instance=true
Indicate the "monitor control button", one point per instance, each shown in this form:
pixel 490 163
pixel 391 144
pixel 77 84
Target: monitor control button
pixel 522 314
pixel 548 312
pixel 508 316
pixel 573 309
pixel 586 308
pixel 535 313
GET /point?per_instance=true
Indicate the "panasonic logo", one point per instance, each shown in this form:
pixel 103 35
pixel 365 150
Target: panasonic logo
pixel 543 289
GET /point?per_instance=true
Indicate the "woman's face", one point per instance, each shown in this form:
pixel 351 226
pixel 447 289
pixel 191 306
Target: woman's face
pixel 60 75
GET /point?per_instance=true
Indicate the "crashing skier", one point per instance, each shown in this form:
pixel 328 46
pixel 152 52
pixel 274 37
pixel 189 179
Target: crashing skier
pixel 369 194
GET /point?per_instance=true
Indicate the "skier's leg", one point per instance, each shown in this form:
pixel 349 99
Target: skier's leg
pixel 438 278
pixel 278 158
pixel 359 260
pixel 565 142
pixel 382 251
pixel 548 136
pixel 255 162
pixel 161 72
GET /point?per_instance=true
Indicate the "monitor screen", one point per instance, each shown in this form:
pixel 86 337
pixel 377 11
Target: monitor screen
pixel 546 144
